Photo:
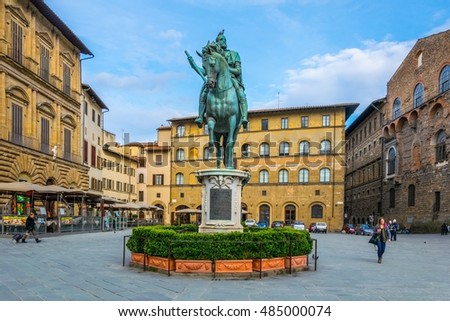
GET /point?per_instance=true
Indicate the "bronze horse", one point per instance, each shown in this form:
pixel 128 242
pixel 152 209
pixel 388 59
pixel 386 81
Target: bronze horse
pixel 223 116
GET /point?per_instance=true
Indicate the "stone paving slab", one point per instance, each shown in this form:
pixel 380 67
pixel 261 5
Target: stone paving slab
pixel 88 267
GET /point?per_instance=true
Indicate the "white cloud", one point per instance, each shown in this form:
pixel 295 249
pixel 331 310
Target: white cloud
pixel 350 75
pixel 171 34
pixel 141 81
pixel 443 27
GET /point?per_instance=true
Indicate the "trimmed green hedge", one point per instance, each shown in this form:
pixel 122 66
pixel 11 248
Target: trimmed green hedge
pixel 184 242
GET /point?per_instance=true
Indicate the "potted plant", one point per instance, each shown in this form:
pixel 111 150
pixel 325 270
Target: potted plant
pixel 235 252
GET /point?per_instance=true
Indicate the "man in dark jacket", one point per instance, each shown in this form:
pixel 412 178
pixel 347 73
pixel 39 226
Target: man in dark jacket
pixel 29 227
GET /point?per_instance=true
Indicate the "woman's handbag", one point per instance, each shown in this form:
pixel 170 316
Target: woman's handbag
pixel 374 239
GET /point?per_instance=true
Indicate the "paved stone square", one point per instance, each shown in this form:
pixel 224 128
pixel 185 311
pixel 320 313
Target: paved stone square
pixel 88 267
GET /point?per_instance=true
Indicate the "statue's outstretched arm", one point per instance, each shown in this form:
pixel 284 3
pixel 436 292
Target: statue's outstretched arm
pixel 194 66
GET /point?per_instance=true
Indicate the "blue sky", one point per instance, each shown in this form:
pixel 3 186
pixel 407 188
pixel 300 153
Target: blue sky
pixel 293 52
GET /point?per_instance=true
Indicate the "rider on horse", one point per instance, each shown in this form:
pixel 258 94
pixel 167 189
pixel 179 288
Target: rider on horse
pixel 234 63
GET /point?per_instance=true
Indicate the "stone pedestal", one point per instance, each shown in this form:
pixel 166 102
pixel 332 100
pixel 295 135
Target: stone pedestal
pixel 221 199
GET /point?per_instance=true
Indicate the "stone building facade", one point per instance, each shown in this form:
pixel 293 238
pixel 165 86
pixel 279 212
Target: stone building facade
pixel 295 157
pixel 364 174
pixel 118 170
pixel 417 134
pixel 153 173
pixel 40 88
pixel 406 176
pixel 92 111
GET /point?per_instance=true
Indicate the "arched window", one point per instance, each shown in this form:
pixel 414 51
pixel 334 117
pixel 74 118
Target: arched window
pixel 264 177
pixel 418 95
pixel 289 214
pixel 284 149
pixel 180 130
pixel 303 176
pixel 264 213
pixel 179 179
pixel 419 59
pixel 180 154
pixel 325 147
pixel 325 175
pixel 141 178
pixel 444 79
pixel 441 154
pixel 264 150
pixel 396 109
pixel 317 211
pixel 411 195
pixel 304 148
pixel 283 176
pixel 391 160
pixel 245 151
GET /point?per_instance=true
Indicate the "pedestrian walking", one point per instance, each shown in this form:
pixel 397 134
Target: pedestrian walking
pixel 29 227
pixel 393 230
pixel 384 236
pixel 113 217
pixel 444 229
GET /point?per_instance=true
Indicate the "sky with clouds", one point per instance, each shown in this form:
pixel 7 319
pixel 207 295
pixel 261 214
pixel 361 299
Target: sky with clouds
pixel 293 52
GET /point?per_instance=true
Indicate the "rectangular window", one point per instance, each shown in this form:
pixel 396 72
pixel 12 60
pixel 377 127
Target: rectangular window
pixel 158 195
pixel 45 135
pixel 392 198
pixel 142 162
pixel 66 79
pixel 45 63
pixel 93 115
pixel 158 179
pixel 284 123
pixel 16 42
pixel 93 156
pixel 67 144
pixel 305 121
pixel 158 160
pixel 411 195
pixel 99 121
pixel 325 120
pixel 264 124
pixel 437 201
pixel 141 196
pixel 16 124
pixel 85 152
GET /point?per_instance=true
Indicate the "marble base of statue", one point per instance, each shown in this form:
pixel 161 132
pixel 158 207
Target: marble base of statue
pixel 221 199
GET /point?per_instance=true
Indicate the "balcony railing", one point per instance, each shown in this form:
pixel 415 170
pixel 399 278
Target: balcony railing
pixel 33 143
pixel 19 139
pixel 18 57
pixel 45 75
